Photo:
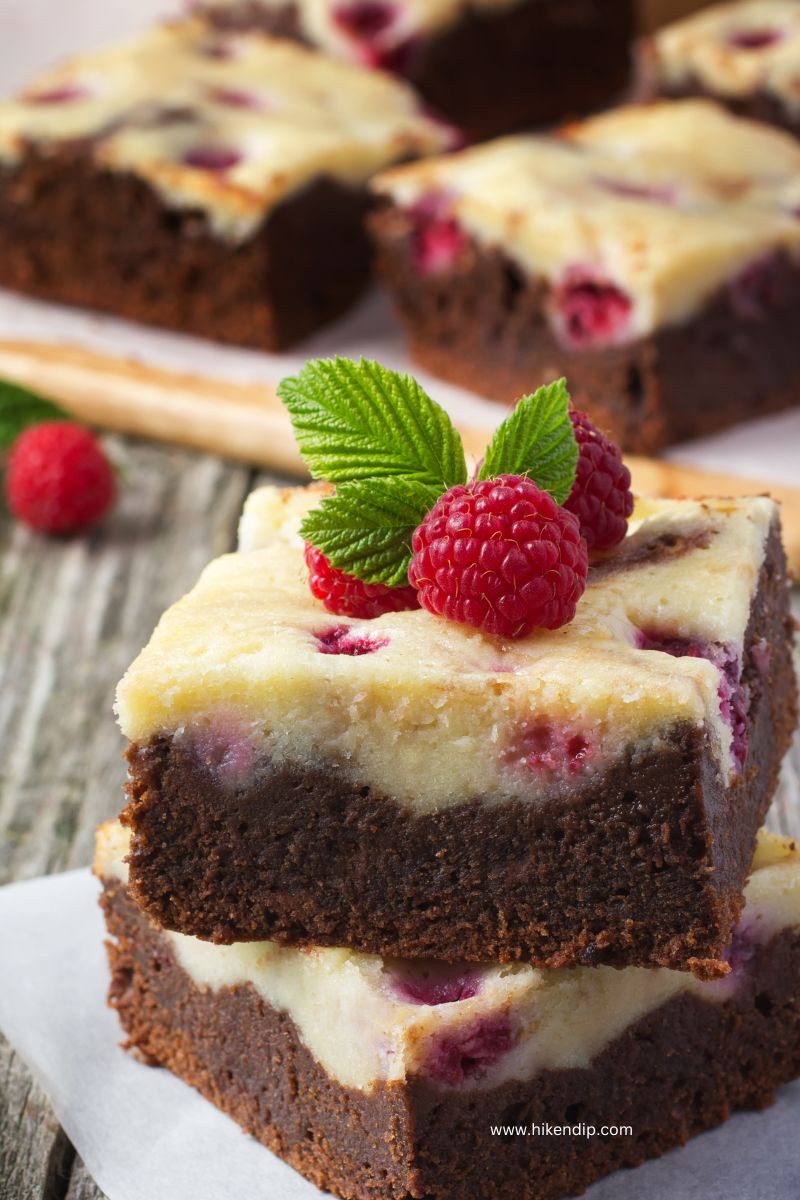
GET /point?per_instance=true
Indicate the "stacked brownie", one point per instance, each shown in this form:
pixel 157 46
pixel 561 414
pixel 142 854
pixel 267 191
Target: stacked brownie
pixel 209 183
pixel 490 66
pixel 651 255
pixel 745 54
pixel 386 888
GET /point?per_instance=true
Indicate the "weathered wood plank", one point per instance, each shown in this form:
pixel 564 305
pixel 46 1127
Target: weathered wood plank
pixel 72 616
pixel 35 1155
pixel 81 1184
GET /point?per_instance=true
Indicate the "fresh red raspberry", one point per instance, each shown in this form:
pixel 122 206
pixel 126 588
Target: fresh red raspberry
pixel 59 479
pixel 601 497
pixel 349 597
pixel 500 555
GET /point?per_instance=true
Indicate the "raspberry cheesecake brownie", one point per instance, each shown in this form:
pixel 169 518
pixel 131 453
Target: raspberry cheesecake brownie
pixel 651 254
pixel 489 65
pixel 382 1077
pixel 745 55
pixel 206 182
pixel 582 794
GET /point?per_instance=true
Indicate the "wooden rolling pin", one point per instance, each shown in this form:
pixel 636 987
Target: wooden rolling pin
pixel 248 421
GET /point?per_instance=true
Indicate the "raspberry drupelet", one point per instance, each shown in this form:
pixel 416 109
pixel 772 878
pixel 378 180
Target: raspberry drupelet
pixel 500 555
pixel 349 597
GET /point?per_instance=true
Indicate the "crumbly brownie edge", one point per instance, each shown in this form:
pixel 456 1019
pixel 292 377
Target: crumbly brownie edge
pixel 76 233
pixel 646 867
pixel 679 1071
pixel 482 324
pixel 578 51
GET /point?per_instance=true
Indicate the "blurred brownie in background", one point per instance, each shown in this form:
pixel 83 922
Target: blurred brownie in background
pixel 651 255
pixel 489 66
pixel 745 54
pixel 209 183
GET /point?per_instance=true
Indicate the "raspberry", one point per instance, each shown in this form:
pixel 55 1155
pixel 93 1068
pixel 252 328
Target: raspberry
pixel 601 497
pixel 213 158
pixel 59 480
pixel 349 597
pixel 754 39
pixel 591 311
pixel 500 555
pixel 467 1052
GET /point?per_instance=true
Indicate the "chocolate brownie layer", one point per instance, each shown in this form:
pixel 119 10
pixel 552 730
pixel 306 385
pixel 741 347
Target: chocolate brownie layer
pixel 678 1071
pixel 78 234
pixel 491 72
pixel 484 325
pixel 643 865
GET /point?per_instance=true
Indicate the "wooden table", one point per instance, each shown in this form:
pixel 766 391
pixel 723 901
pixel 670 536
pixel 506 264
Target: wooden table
pixel 72 617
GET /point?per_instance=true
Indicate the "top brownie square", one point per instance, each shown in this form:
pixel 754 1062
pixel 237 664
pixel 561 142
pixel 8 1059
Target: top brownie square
pixel 745 54
pixel 411 787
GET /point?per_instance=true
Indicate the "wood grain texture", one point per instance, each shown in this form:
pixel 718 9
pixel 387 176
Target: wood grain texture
pixel 72 616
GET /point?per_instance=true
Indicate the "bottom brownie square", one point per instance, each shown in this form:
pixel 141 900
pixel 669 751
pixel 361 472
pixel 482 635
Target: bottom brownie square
pixel 380 1078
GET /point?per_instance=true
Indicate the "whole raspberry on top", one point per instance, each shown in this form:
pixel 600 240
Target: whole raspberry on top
pixel 501 555
pixel 601 497
pixel 349 597
pixel 59 479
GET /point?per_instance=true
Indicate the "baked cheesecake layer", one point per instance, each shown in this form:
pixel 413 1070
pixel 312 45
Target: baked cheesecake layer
pixel 472 62
pixel 669 1055
pixel 589 795
pixel 207 183
pixel 745 54
pixel 651 255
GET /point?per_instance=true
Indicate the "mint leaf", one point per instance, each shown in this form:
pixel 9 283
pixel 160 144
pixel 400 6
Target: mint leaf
pixel 366 528
pixel 19 409
pixel 358 420
pixel 537 440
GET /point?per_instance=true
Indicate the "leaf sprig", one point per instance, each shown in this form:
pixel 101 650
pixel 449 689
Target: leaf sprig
pixel 392 452
pixel 19 409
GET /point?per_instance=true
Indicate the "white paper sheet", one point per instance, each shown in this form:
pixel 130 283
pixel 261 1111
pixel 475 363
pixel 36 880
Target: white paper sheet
pixel 146 1136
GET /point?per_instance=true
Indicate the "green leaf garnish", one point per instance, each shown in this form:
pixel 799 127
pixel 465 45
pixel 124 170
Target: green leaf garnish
pixel 366 528
pixel 537 440
pixel 392 452
pixel 21 408
pixel 359 420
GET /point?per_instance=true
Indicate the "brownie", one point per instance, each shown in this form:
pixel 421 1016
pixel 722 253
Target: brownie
pixel 650 256
pixel 560 800
pixel 488 68
pixel 745 55
pixel 664 1060
pixel 228 202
